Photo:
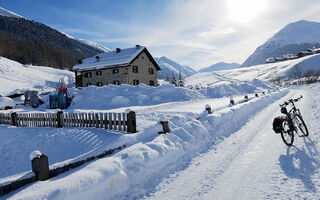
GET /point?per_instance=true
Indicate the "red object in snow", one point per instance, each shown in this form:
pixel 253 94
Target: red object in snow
pixel 62 89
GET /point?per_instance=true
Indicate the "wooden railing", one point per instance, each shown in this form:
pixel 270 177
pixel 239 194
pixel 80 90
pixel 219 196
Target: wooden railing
pixel 112 121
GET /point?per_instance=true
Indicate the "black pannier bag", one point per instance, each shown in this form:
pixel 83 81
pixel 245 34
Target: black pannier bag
pixel 277 124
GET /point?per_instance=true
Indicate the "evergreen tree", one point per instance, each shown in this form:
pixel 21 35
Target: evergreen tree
pixel 180 82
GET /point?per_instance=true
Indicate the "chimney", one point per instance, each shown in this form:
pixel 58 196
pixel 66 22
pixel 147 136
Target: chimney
pixel 118 50
pixel 137 46
pixel 97 58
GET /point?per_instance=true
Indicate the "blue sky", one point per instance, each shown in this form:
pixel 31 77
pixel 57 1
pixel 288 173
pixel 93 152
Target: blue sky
pixel 197 33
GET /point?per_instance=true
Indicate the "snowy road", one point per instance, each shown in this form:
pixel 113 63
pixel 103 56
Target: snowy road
pixel 253 163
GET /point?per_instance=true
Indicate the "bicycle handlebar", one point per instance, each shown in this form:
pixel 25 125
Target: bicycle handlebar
pixel 291 100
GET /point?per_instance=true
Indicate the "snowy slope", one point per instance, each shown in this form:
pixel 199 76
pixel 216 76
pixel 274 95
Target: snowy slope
pixel 268 72
pixel 15 77
pixel 220 66
pixel 93 44
pixel 294 37
pixel 8 13
pixel 169 67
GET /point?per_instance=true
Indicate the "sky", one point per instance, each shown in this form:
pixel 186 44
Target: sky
pixel 196 33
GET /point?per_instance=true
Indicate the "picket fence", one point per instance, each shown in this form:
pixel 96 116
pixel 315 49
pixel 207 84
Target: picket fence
pixel 112 121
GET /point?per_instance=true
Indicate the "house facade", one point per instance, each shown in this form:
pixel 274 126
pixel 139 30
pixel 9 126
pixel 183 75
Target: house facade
pixel 123 66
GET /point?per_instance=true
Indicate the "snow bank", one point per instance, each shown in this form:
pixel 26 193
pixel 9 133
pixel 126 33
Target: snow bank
pixel 114 96
pixel 136 170
pixel 6 101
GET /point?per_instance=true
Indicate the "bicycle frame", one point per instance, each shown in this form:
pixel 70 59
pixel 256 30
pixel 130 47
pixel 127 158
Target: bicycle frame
pixel 292 114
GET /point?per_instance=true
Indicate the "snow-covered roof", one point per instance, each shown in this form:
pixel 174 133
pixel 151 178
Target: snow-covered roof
pixel 110 59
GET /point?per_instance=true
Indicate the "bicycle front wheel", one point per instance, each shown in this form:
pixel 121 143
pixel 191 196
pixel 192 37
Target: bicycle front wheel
pixel 287 134
pixel 302 126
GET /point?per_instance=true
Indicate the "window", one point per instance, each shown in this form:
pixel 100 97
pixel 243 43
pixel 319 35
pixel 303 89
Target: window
pixel 98 73
pixel 151 71
pixel 135 82
pixel 88 75
pixel 88 84
pixel 151 83
pixel 135 69
pixel 99 84
pixel 115 71
pixel 116 82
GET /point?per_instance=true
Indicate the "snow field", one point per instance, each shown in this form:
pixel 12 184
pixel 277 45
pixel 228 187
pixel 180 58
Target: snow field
pixel 136 170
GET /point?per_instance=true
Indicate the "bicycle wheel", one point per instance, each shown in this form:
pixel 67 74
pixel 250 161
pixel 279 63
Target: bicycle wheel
pixel 287 135
pixel 302 126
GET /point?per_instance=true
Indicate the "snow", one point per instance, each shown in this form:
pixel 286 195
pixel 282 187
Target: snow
pixel 6 101
pixel 170 68
pixel 202 155
pixel 17 78
pixel 111 58
pixel 93 44
pixel 8 13
pixel 35 154
pixel 136 170
pixel 264 72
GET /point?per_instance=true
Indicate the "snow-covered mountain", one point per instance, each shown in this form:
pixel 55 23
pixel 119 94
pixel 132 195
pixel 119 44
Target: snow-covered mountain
pixel 8 13
pixel 294 37
pixel 169 67
pixel 220 66
pixel 93 44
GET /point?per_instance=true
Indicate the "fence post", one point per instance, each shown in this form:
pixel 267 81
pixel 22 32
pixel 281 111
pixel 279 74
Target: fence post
pixel 131 122
pixel 60 119
pixel 256 95
pixel 40 166
pixel 14 119
pixel 208 108
pixel 231 101
pixel 165 127
pixel 246 98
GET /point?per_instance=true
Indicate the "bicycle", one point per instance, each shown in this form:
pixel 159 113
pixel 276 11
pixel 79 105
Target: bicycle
pixel 287 125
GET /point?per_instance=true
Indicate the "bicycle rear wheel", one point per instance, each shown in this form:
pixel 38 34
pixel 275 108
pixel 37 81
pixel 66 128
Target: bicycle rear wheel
pixel 302 126
pixel 287 135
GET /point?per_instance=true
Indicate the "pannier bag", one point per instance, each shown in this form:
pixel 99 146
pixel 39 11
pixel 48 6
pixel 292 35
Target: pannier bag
pixel 278 124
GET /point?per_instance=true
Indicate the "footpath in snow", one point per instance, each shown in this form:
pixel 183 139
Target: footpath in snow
pixel 138 169
pixel 254 163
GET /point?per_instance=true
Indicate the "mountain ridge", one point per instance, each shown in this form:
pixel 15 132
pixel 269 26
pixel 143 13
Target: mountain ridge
pixel 293 38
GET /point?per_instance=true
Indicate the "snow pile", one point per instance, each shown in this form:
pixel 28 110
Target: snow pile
pixel 136 170
pixel 35 154
pixel 267 72
pixel 114 96
pixel 6 101
pixel 16 78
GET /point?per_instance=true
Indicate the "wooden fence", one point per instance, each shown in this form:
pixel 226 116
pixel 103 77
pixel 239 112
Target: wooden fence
pixel 113 121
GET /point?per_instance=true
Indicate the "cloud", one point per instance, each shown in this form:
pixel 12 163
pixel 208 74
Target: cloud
pixel 197 33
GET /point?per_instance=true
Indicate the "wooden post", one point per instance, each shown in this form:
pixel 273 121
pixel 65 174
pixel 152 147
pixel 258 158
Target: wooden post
pixel 59 119
pixel 131 122
pixel 208 108
pixel 256 95
pixel 246 98
pixel 14 119
pixel 40 166
pixel 165 127
pixel 231 101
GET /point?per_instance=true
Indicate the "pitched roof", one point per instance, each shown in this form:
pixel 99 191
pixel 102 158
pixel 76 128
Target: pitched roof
pixel 111 59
